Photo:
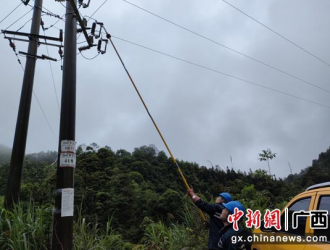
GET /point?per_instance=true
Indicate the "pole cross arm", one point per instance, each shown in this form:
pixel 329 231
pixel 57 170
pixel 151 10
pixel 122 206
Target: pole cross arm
pixel 22 40
pixel 43 57
pixel 60 38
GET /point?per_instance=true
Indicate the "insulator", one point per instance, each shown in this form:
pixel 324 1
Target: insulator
pixel 26 2
pixel 12 45
pixel 91 39
pixel 99 45
pixel 93 29
pixel 84 22
pixel 42 25
pixel 86 5
pixel 60 51
pixel 61 35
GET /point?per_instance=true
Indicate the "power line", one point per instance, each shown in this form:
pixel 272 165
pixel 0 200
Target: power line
pixel 24 25
pixel 10 12
pixel 97 9
pixel 49 13
pixel 275 32
pixel 89 58
pixel 62 4
pixel 42 110
pixel 222 73
pixel 226 47
pixel 51 70
pixel 19 19
pixel 51 26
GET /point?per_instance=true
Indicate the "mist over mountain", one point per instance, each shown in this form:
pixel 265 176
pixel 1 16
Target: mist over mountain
pixel 5 153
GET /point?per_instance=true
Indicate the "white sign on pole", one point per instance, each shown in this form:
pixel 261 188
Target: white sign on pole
pixel 68 160
pixel 67 202
pixel 68 146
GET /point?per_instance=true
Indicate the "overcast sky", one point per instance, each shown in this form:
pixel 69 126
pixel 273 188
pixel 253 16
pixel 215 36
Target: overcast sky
pixel 205 116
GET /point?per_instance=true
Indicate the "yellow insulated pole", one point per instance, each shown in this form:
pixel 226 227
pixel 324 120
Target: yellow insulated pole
pixel 152 119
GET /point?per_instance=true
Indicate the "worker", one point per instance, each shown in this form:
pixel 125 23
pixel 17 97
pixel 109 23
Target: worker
pixel 214 211
pixel 230 233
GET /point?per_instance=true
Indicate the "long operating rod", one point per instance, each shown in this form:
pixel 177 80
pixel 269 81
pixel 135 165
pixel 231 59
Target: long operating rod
pixel 152 119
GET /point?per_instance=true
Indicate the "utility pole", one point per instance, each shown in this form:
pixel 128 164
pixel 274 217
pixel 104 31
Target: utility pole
pixel 18 151
pixel 64 195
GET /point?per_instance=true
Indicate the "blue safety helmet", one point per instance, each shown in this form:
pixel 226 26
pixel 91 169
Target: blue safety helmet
pixel 226 196
pixel 232 205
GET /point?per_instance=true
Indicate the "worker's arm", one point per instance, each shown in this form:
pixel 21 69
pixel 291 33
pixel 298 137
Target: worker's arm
pixel 202 205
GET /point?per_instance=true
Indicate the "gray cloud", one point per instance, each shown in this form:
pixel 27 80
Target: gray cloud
pixel 203 115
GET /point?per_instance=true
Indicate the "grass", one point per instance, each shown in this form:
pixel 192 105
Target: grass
pixel 95 236
pixel 190 234
pixel 25 228
pixel 28 227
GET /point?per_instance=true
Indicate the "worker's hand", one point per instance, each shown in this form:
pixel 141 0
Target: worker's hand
pixel 191 192
pixel 206 224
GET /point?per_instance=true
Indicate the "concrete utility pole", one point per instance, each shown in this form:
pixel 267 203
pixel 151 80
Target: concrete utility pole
pixel 63 211
pixel 18 152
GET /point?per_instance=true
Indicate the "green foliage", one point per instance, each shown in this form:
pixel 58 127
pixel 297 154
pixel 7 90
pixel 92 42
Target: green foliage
pixel 169 202
pixel 4 172
pixel 2 200
pixel 267 155
pixel 160 236
pixel 5 153
pixel 28 227
pixel 190 234
pixel 25 227
pixel 175 236
pixel 143 195
pixel 317 173
pixel 95 236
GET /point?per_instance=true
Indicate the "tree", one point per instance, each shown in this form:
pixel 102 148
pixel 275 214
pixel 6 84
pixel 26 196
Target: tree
pixel 267 155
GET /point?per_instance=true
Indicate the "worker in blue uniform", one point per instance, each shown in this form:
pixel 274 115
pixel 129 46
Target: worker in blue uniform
pixel 232 235
pixel 214 211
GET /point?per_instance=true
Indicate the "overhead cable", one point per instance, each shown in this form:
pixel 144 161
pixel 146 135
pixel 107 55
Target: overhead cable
pixel 10 13
pixel 97 9
pixel 53 25
pixel 231 49
pixel 51 70
pixel 222 73
pixel 42 110
pixel 87 57
pixel 24 25
pixel 19 18
pixel 275 32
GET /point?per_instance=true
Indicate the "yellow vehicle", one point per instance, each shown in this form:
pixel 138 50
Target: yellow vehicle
pixel 298 234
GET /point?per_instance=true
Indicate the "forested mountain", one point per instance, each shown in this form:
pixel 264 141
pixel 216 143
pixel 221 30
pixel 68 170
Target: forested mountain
pixel 134 187
pixel 318 172
pixel 5 153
